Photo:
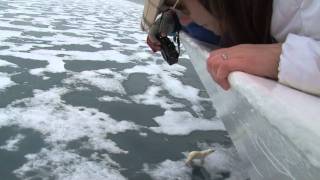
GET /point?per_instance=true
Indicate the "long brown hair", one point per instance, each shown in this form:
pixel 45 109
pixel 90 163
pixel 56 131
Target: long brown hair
pixel 243 21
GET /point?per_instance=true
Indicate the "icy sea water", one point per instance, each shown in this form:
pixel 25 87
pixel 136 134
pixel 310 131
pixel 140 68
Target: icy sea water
pixel 82 97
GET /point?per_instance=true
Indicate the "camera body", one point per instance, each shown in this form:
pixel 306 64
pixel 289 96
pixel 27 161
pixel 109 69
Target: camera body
pixel 167 24
pixel 168 50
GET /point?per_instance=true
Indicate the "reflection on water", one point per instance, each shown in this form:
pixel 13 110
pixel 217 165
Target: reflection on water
pixel 82 97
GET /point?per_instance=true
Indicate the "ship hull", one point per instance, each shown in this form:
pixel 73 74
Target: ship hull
pixel 273 127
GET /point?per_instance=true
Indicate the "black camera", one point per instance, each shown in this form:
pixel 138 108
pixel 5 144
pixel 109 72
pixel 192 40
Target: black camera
pixel 168 50
pixel 167 24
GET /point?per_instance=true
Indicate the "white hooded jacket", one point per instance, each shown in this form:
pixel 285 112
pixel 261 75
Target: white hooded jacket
pixel 296 23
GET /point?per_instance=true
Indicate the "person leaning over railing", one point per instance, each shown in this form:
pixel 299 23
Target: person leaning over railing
pixel 277 39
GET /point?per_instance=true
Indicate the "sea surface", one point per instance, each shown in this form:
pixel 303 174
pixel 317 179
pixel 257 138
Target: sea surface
pixel 82 97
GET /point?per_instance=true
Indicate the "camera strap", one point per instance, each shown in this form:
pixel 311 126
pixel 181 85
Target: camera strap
pixel 176 37
pixel 175 4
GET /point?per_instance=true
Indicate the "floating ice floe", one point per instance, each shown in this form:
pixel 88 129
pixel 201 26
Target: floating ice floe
pixel 12 144
pixel 59 122
pixel 113 99
pixel 55 64
pixel 166 77
pixel 61 39
pixel 179 90
pixel 99 79
pixel 107 55
pixel 24 28
pixel 113 41
pixel 6 63
pixel 5 34
pixel 5 81
pixel 65 165
pixel 168 170
pixel 183 123
pixel 152 97
pixel 156 69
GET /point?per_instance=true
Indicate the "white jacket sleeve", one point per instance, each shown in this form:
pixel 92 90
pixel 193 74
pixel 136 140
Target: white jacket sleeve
pixel 299 65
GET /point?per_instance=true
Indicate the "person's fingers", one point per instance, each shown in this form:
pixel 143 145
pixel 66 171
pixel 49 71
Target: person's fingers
pixel 224 84
pixel 219 71
pixel 212 65
pixel 157 48
pixel 215 65
pixel 149 42
pixel 210 70
pixel 220 68
pixel 222 75
pixel 217 52
pixel 153 45
pixel 154 40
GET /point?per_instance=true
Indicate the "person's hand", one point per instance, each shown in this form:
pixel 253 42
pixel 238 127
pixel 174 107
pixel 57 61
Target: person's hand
pixel 162 27
pixel 261 60
pixel 152 40
pixel 153 43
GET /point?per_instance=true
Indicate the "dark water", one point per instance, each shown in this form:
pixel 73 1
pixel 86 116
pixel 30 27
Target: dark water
pixel 82 97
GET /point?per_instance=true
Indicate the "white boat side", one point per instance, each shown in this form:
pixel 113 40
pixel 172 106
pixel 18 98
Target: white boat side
pixel 276 129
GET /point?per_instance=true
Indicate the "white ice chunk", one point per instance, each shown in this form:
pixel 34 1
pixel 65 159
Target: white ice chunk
pixel 23 47
pixel 5 34
pixel 58 122
pixel 99 143
pixel 169 170
pixel 113 42
pixel 23 16
pixel 157 69
pixel 6 63
pixel 147 69
pixel 143 55
pixel 107 55
pixel 138 36
pixel 179 90
pixel 61 39
pixel 12 144
pixel 113 99
pixel 183 123
pixel 5 81
pixel 45 77
pixel 152 97
pixel 65 165
pixel 56 64
pixel 166 75
pixel 143 134
pixel 99 79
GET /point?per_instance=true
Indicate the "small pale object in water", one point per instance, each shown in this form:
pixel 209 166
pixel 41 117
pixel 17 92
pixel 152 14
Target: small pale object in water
pixel 198 155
